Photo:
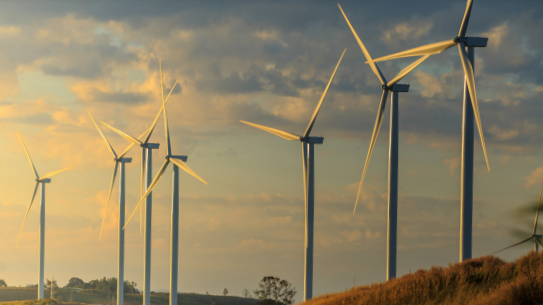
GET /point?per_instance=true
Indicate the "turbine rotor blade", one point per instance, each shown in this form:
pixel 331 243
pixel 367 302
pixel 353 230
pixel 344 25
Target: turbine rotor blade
pixel 406 71
pixel 152 128
pixel 103 137
pixel 376 128
pixel 283 134
pixel 109 197
pixel 51 174
pixel 373 66
pixel 538 242
pixel 470 80
pixel 182 165
pixel 27 154
pixel 166 128
pixel 26 215
pixel 123 134
pixel 515 244
pixel 131 145
pixel 538 206
pixel 149 189
pixel 317 109
pixel 429 49
pixel 465 21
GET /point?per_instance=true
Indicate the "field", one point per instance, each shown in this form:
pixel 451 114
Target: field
pixel 10 295
pixel 481 281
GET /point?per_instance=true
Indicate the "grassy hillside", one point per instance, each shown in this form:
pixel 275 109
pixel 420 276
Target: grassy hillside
pixel 11 294
pixel 481 281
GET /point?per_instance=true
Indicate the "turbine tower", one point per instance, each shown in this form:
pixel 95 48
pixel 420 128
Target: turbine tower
pixel 308 162
pixel 178 162
pixel 43 180
pixel 534 237
pixel 470 111
pixel 122 160
pixel 145 181
pixel 394 88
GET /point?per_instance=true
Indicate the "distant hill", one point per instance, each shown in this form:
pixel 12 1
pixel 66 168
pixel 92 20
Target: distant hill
pixel 12 294
pixel 480 281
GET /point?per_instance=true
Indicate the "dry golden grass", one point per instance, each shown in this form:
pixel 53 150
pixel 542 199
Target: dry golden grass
pixel 480 281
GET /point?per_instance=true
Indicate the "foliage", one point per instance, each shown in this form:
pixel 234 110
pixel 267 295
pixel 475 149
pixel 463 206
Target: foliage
pixel 482 281
pixel 225 292
pixel 48 284
pixel 274 289
pixel 75 282
pixel 105 285
pixel 3 283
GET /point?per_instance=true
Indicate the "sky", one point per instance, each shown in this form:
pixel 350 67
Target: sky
pixel 268 63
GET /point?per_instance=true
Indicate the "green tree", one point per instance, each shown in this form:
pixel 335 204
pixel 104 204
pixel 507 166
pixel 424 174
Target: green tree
pixel 75 282
pixel 273 290
pixel 225 292
pixel 3 283
pixel 48 284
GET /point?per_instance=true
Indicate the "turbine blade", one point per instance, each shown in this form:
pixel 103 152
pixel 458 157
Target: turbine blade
pixel 109 196
pixel 538 206
pixel 122 134
pixel 318 108
pixel 103 137
pixel 364 50
pixel 26 215
pixel 515 244
pixel 376 128
pixel 406 71
pixel 182 165
pixel 465 21
pixel 51 174
pixel 283 134
pixel 429 49
pixel 149 189
pixel 131 145
pixel 166 128
pixel 146 140
pixel 470 80
pixel 28 155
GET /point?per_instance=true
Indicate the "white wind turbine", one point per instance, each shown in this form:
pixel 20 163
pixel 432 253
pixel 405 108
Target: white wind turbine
pixel 146 171
pixel 392 86
pixel 308 160
pixel 122 160
pixel 178 162
pixel 471 110
pixel 536 237
pixel 43 180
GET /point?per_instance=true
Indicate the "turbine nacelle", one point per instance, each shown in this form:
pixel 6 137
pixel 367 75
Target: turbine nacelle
pixel 43 180
pixel 312 140
pixel 179 157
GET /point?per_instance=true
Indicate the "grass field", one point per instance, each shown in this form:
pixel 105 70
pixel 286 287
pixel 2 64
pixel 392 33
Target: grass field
pixel 14 295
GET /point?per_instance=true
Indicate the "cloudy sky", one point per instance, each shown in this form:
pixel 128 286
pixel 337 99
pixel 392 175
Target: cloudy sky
pixel 268 63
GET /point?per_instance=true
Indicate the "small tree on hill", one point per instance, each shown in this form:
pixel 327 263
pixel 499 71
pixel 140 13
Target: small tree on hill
pixel 225 292
pixel 3 283
pixel 75 282
pixel 246 293
pixel 274 289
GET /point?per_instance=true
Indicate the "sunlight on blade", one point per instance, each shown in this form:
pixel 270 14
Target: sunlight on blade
pixel 103 137
pixel 515 244
pixel 149 189
pixel 51 174
pixel 318 108
pixel 465 21
pixel 406 71
pixel 376 128
pixel 470 80
pixel 26 215
pixel 429 49
pixel 364 50
pixel 112 184
pixel 28 155
pixel 182 165
pixel 283 134
pixel 122 134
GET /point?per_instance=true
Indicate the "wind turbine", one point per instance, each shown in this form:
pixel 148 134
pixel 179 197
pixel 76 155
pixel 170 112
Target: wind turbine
pixel 122 160
pixel 471 110
pixel 392 86
pixel 43 180
pixel 146 171
pixel 534 236
pixel 178 162
pixel 308 161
